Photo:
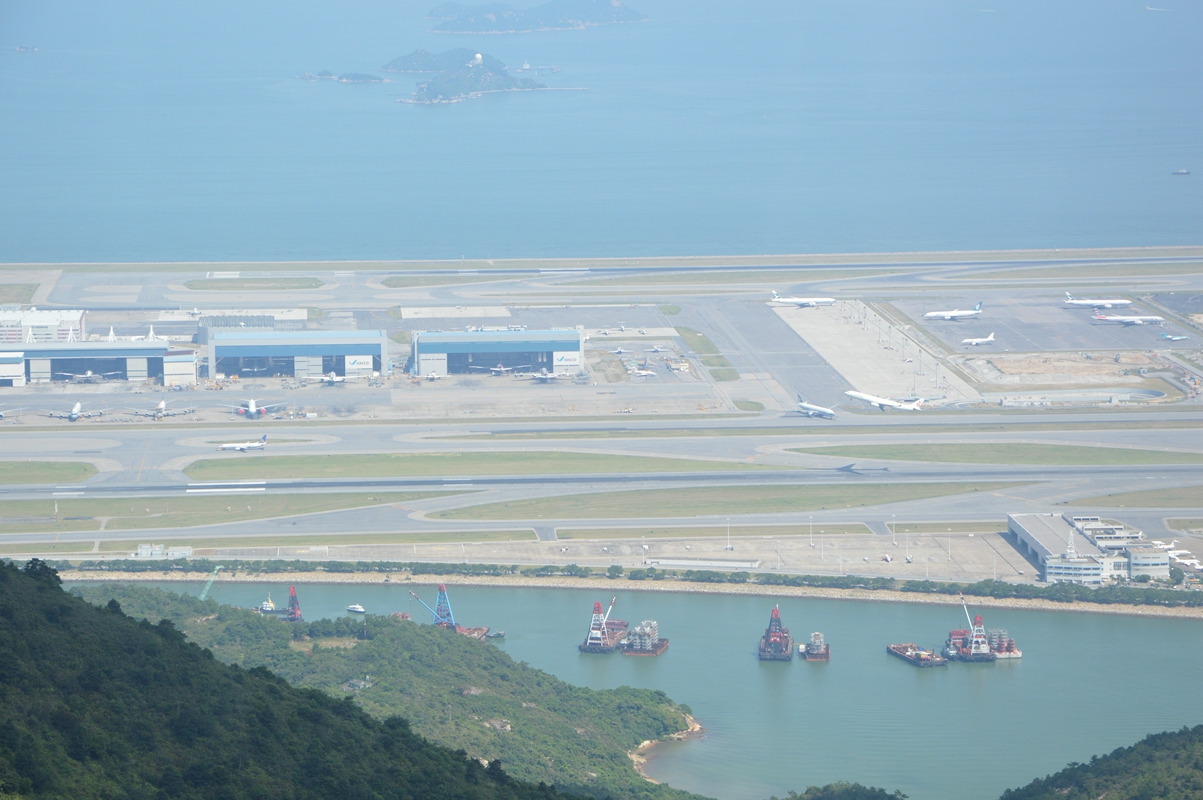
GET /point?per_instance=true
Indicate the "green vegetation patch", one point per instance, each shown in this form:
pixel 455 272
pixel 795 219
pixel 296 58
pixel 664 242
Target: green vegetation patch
pixel 253 284
pixel 380 465
pixel 1176 497
pixel 74 514
pixel 715 500
pixel 45 471
pixel 1007 453
pixel 17 292
pixel 749 405
pixel 698 342
pixel 725 375
pixel 342 540
pixel 670 310
pixel 411 281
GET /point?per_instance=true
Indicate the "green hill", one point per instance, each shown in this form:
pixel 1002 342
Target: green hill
pixel 462 693
pixel 94 704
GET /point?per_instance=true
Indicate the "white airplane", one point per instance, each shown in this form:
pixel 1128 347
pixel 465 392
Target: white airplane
pixel 883 403
pixel 642 373
pixel 620 352
pixel 330 378
pixel 75 413
pixel 501 369
pixel 87 377
pixel 1102 302
pixel 8 411
pixel 1169 337
pixel 1129 319
pixel 982 340
pixel 251 410
pixel 543 376
pixel 161 410
pixel 1163 546
pixel 802 302
pixel 956 313
pixel 656 349
pixel 433 376
pixel 242 447
pixel 811 410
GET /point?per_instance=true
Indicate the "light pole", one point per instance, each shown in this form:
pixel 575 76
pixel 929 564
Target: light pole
pixel 894 528
pixel 812 530
pixel 729 547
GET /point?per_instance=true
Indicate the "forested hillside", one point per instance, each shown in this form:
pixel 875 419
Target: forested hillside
pixel 462 693
pixel 96 704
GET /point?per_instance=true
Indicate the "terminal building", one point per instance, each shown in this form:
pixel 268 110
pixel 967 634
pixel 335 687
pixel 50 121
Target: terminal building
pixel 1085 550
pixel 482 350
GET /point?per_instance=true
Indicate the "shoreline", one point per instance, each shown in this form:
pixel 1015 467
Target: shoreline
pixel 609 585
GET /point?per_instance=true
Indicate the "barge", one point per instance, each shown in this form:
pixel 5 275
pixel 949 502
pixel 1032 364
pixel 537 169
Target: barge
pixel 604 634
pixel 914 654
pixel 644 640
pixel 816 649
pixel 776 644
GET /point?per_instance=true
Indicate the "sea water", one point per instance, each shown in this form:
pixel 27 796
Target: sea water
pixel 1086 684
pixel 141 131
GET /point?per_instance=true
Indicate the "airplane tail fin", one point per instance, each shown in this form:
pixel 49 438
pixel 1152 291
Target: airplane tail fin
pixel 990 338
pixel 263 439
pixel 1068 297
pixel 775 295
pixel 919 403
pixel 978 307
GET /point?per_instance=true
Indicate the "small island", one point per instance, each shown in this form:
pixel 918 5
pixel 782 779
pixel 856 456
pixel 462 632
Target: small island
pixel 554 15
pixel 462 74
pixel 349 77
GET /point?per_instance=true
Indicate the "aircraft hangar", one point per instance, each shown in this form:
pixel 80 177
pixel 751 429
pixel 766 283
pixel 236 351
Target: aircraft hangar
pixel 250 352
pixel 44 362
pixel 477 350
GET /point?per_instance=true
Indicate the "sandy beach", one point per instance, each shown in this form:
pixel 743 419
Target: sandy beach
pixel 610 585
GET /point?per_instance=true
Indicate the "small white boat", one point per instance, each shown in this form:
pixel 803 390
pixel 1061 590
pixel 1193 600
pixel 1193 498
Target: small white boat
pixel 267 606
pixel 356 608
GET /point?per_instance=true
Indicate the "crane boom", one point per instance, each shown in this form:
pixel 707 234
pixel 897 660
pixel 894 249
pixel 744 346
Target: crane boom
pixel 205 592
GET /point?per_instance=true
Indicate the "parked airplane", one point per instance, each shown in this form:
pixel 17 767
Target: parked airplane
pixel 656 349
pixel 883 403
pixel 811 410
pixel 956 313
pixel 1169 337
pixel 543 376
pixel 242 447
pixel 983 340
pixel 501 369
pixel 8 411
pixel 87 377
pixel 642 373
pixel 1129 319
pixel 75 413
pixel 802 302
pixel 620 352
pixel 433 376
pixel 330 378
pixel 250 409
pixel 161 410
pixel 1106 302
pixel 1163 546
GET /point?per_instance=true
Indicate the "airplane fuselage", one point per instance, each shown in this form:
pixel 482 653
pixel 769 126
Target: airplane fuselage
pixel 1107 302
pixel 1129 319
pixel 802 302
pixel 883 403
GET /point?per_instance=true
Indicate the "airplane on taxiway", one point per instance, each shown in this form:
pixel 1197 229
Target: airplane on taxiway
pixel 883 403
pixel 1169 337
pixel 811 410
pixel 1102 302
pixel 330 378
pixel 802 302
pixel 161 410
pixel 75 413
pixel 982 340
pixel 1129 319
pixel 8 411
pixel 243 447
pixel 251 409
pixel 956 313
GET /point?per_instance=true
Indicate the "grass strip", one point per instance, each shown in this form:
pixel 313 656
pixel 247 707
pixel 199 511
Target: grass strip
pixel 252 284
pixel 77 514
pixel 699 531
pixel 716 500
pixel 381 465
pixel 1176 497
pixel 20 472
pixel 1007 453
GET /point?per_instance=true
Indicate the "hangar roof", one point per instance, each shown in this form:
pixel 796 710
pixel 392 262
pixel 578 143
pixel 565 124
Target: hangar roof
pixel 145 349
pixel 496 340
pixel 254 342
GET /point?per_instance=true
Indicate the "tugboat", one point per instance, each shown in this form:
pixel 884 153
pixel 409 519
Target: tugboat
pixel 816 649
pixel 776 644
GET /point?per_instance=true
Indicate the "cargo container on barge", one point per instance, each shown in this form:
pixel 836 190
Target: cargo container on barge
pixel 644 640
pixel 816 649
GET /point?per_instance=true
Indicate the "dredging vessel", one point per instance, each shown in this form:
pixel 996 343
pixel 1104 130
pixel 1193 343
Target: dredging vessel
pixel 605 634
pixel 816 649
pixel 776 644
pixel 974 644
pixel 913 653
